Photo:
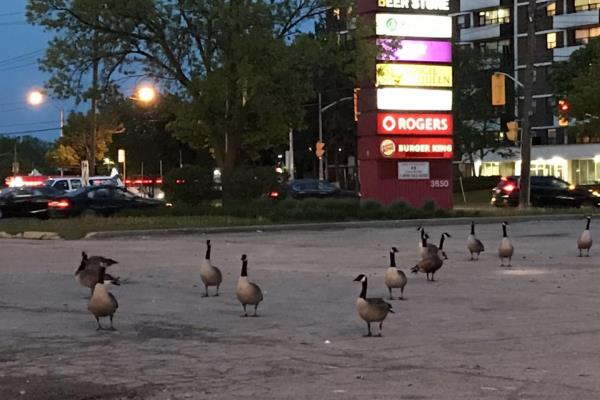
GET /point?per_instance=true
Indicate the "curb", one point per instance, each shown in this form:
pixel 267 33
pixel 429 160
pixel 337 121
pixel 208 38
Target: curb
pixel 323 226
pixel 31 235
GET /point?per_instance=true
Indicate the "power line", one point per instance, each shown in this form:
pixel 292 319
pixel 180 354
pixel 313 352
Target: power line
pixel 14 67
pixel 21 56
pixel 11 13
pixel 27 124
pixel 45 131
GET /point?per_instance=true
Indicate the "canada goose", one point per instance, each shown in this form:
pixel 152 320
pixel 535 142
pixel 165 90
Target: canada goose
pixel 424 247
pixel 473 244
pixel 89 270
pixel 506 249
pixel 433 249
pixel 585 239
pixel 247 292
pixel 394 278
pixel 102 303
pixel 210 275
pixel 371 309
pixel 429 265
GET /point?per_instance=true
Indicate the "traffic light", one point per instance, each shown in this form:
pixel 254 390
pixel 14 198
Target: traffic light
pixel 563 112
pixel 513 130
pixel 498 89
pixel 320 149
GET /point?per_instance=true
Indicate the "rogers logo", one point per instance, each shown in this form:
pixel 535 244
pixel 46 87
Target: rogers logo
pixel 387 147
pixel 407 123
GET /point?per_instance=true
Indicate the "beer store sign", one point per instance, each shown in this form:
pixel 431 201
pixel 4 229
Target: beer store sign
pixel 414 75
pixel 417 5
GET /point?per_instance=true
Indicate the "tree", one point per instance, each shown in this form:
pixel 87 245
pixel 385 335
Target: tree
pixel 476 122
pixel 233 65
pixel 73 147
pixel 577 80
pixel 31 154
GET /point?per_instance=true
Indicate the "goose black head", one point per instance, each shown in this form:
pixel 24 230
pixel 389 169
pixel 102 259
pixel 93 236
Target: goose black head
pixel 394 250
pixel 505 223
pixel 446 234
pixel 84 256
pixel 360 278
pixel 420 229
pixel 244 257
pixel 82 265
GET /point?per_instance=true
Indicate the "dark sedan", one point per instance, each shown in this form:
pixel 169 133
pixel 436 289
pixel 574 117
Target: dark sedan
pixel 99 200
pixel 304 188
pixel 26 201
pixel 545 191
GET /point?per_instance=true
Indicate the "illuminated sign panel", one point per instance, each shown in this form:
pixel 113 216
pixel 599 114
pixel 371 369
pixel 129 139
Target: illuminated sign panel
pixel 414 50
pixel 420 5
pixel 416 148
pixel 414 124
pixel 414 75
pixel 422 26
pixel 409 99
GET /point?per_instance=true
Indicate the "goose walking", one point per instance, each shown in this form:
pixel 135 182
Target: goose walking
pixel 429 265
pixel 506 249
pixel 371 309
pixel 102 303
pixel 210 275
pixel 584 242
pixel 473 244
pixel 395 278
pixel 248 293
pixel 89 270
pixel 441 251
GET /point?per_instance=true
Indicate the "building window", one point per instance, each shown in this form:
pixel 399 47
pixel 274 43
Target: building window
pixel 551 9
pixel 491 17
pixel 499 46
pixel 551 40
pixel 462 21
pixel 583 36
pixel 585 5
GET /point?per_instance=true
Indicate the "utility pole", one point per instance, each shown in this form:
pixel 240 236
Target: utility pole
pixel 527 103
pixel 94 110
pixel 320 137
pixel 291 154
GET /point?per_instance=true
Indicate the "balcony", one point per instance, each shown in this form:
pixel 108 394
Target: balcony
pixel 563 53
pixel 470 5
pixel 572 20
pixel 480 33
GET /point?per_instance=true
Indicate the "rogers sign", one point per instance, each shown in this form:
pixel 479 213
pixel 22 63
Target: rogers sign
pixel 414 124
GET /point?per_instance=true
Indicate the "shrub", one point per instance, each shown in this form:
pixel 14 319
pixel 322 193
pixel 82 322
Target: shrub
pixel 247 183
pixel 190 185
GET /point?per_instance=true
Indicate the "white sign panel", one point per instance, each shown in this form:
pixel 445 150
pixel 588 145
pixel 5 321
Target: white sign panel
pixel 408 99
pixel 413 170
pixel 409 25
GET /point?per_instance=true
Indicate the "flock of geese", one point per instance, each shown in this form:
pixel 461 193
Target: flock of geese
pixel 92 274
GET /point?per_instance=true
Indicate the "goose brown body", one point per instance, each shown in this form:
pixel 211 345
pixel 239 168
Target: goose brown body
pixel 395 278
pixel 584 241
pixel 210 275
pixel 371 309
pixel 248 293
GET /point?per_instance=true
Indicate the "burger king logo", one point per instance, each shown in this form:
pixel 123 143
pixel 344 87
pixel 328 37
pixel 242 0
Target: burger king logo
pixel 387 148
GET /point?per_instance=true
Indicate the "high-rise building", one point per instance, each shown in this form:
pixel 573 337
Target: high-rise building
pixel 561 27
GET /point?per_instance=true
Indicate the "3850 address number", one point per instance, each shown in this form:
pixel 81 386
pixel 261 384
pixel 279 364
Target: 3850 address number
pixel 440 183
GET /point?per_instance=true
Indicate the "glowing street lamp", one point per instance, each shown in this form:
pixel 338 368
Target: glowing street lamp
pixel 145 94
pixel 37 97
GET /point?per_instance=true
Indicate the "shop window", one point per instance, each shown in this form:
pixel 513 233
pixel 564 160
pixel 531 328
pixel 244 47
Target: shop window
pixel 551 40
pixel 491 17
pixel 585 5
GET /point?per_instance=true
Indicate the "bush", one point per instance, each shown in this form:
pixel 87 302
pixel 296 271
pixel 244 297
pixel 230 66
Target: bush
pixel 248 183
pixel 195 185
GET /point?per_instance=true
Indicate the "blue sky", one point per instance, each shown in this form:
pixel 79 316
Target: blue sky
pixel 20 47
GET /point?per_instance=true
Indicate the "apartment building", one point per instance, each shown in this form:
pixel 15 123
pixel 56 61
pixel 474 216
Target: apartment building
pixel 561 26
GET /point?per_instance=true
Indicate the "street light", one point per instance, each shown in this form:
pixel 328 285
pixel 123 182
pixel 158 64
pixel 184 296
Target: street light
pixel 36 97
pixel 321 111
pixel 145 94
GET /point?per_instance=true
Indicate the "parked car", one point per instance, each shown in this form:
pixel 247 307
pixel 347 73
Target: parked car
pixel 303 188
pixel 545 191
pixel 99 200
pixel 72 183
pixel 26 201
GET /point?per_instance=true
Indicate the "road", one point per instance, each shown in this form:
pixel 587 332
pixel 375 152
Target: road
pixel 479 332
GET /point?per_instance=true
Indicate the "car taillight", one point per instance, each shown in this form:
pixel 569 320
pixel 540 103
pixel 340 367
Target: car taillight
pixel 509 188
pixel 274 194
pixel 59 204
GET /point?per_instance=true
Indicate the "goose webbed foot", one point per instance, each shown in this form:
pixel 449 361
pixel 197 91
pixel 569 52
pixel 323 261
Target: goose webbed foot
pixel 99 328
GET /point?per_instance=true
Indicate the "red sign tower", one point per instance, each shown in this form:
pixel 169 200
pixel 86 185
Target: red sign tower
pixel 405 121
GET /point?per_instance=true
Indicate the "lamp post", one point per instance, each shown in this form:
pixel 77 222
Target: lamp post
pixel 321 111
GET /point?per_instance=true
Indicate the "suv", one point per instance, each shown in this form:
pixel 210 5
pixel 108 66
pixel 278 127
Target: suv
pixel 545 191
pixel 70 184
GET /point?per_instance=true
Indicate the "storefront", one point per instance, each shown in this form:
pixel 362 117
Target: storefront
pixel 575 163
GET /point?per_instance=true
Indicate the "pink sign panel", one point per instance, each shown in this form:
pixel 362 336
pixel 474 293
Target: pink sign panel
pixel 414 50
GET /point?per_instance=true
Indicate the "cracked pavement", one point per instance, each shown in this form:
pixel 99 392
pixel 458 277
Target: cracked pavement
pixel 479 332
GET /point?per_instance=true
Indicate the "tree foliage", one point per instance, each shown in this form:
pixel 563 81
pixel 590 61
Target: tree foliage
pixel 476 122
pixel 578 82
pixel 235 65
pixel 31 154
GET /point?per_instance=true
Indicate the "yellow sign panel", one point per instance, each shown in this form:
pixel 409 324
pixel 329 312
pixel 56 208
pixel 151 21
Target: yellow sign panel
pixel 414 75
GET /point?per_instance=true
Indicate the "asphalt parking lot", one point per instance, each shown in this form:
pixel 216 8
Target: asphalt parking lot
pixel 479 332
